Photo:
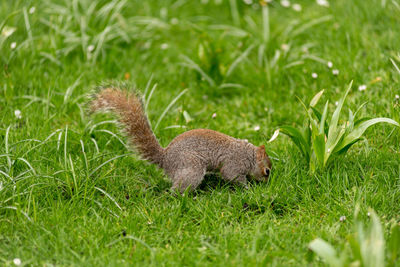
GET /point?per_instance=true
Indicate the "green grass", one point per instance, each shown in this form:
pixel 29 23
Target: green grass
pixel 71 194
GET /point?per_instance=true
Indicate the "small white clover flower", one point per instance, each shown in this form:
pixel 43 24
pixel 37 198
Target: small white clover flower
pixel 257 128
pixel 17 114
pixel 296 7
pixel 174 21
pixel 362 87
pixel 164 46
pixel 336 103
pixel 17 261
pixel 32 10
pixel 90 48
pixel 314 75
pixel 214 115
pixel 342 218
pixel 324 3
pixel 285 47
pixel 330 64
pixel 397 96
pixel 285 3
pixel 335 72
pixel 369 214
pixel 329 150
pixel 13 45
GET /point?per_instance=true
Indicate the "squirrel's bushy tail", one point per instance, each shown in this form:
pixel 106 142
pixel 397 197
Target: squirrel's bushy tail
pixel 129 107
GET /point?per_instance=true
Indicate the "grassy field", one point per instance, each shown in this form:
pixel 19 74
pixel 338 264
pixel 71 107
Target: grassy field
pixel 72 194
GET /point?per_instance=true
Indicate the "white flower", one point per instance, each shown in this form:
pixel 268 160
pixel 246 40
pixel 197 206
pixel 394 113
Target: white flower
pixel 248 2
pixel 369 214
pixel 164 46
pixel 32 10
pixel 17 114
pixel 174 21
pixel 147 45
pixel 214 115
pixel 336 103
pixel 330 64
pixel 285 47
pixel 257 128
pixel 314 75
pixel 329 150
pixel 285 3
pixel 324 3
pixel 17 261
pixel 13 45
pixel 397 96
pixel 296 7
pixel 90 48
pixel 342 218
pixel 362 87
pixel 335 72
pixel 274 136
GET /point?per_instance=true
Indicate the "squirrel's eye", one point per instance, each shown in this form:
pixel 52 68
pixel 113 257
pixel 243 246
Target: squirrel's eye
pixel 266 171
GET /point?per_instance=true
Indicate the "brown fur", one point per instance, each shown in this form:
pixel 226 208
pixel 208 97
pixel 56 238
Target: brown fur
pixel 187 158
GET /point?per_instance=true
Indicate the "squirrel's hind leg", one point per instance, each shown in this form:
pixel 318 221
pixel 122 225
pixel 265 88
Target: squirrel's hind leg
pixel 188 177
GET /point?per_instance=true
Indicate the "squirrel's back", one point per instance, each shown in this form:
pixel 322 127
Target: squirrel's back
pixel 207 147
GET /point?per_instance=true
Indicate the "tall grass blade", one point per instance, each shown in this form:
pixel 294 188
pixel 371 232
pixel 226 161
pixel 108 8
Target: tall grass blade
pixel 234 12
pixel 169 107
pixel 265 19
pixel 110 197
pixel 238 60
pixel 191 64
pixel 9 162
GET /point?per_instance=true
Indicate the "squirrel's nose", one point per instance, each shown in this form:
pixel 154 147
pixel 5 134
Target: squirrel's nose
pixel 267 172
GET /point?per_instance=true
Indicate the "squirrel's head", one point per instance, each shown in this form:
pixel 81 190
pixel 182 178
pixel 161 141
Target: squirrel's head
pixel 263 166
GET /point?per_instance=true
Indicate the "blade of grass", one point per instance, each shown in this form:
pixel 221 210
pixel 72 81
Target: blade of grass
pixel 169 107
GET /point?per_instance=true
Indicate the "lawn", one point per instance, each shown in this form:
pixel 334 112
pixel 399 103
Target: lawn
pixel 73 194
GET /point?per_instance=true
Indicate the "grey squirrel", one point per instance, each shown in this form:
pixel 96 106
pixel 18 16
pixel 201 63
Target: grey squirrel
pixel 189 155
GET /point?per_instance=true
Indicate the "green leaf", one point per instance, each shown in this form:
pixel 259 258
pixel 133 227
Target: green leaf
pixel 298 138
pixel 373 245
pixel 316 113
pixel 355 248
pixel 360 129
pixel 326 252
pixel 316 98
pixel 394 243
pixel 335 117
pixel 319 148
pixel 333 140
pixel 347 147
pixel 351 121
pixel 323 118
